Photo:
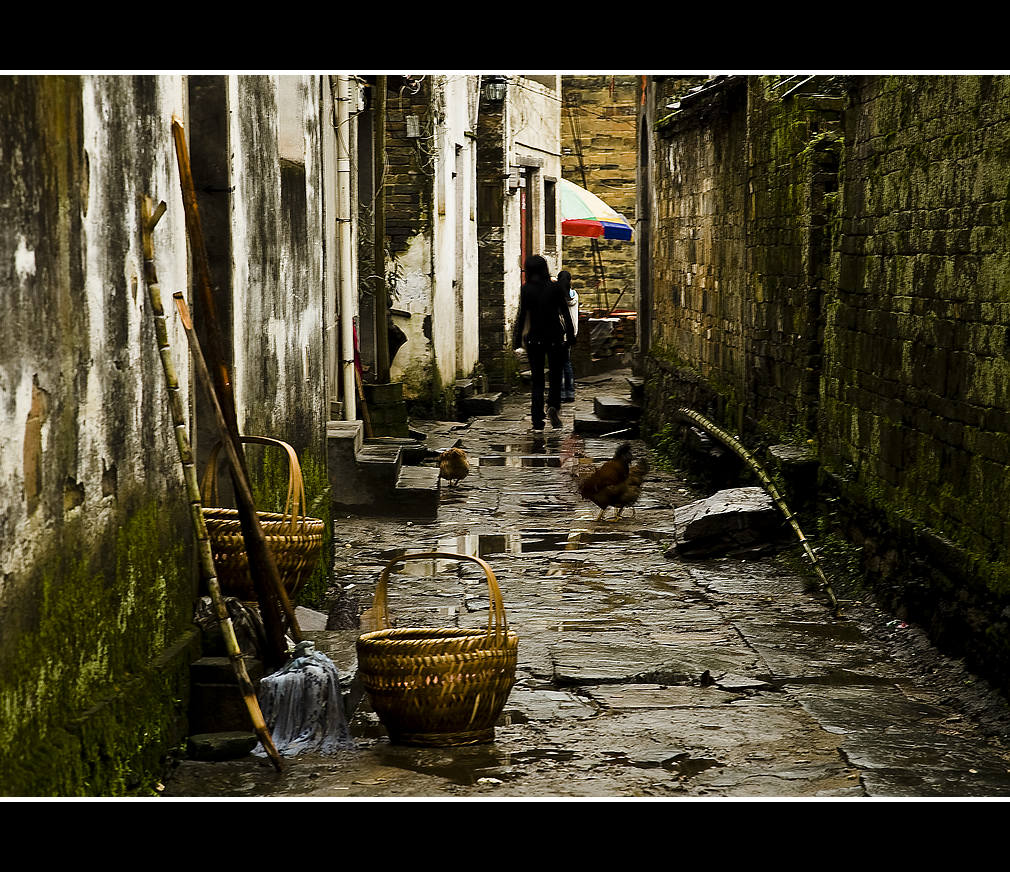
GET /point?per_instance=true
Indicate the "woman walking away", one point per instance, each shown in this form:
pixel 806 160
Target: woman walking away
pixel 544 326
pixel 568 381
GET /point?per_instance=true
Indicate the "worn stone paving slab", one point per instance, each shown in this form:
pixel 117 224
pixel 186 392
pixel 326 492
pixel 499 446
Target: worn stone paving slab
pixel 628 697
pixel 580 662
pixel 905 747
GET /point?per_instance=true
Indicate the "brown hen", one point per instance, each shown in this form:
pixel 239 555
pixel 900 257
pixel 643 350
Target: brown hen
pixel 606 484
pixel 453 466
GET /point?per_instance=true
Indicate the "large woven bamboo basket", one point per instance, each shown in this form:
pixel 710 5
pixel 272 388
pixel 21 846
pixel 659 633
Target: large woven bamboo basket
pixel 438 687
pixel 294 539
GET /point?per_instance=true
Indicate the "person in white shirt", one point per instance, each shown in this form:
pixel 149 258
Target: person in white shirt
pixel 564 281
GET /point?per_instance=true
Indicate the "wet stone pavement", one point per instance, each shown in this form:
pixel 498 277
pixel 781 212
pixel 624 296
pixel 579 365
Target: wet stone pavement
pixel 638 675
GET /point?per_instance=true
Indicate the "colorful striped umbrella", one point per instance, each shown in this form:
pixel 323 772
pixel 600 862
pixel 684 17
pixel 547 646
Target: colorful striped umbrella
pixel 585 214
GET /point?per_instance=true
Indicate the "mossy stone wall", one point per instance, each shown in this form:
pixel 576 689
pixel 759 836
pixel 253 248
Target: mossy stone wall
pixel 857 295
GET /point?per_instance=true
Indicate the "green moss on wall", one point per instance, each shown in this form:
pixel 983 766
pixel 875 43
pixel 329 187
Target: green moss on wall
pixel 94 679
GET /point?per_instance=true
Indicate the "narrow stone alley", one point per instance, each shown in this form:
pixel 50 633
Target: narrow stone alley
pixel 639 675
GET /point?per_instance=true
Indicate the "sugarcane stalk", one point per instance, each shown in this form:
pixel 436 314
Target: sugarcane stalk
pixel 769 486
pixel 238 474
pixel 150 219
pixel 262 568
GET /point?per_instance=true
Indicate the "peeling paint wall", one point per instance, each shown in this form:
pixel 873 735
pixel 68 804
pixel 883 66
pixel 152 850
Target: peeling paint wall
pixel 519 136
pixel 278 242
pixel 97 580
pixel 92 512
pixel 533 137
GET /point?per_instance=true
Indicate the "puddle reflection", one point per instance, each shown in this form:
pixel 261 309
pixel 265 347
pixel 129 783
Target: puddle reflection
pixel 520 460
pixel 484 544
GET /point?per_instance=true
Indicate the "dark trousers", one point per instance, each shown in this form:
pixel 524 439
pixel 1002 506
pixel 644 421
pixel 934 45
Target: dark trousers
pixel 554 355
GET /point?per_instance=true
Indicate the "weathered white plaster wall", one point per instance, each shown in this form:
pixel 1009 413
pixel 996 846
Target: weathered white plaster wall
pixel 278 239
pixel 439 272
pixel 97 375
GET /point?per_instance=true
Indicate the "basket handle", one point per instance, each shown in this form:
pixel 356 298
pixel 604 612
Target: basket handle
pixel 294 505
pixel 497 625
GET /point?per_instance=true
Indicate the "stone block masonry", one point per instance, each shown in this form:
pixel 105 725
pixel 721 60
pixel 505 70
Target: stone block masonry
pixel 600 119
pixel 830 263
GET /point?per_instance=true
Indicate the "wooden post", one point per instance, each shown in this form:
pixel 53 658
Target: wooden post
pixel 262 568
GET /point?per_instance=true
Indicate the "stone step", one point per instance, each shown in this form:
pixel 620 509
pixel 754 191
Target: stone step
pixel 369 476
pixel 616 409
pixel 637 388
pixel 215 702
pixel 411 450
pixel 465 388
pixel 482 404
pixel 417 492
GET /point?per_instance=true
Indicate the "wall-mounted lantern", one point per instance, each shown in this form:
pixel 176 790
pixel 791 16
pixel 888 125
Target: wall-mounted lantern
pixel 495 88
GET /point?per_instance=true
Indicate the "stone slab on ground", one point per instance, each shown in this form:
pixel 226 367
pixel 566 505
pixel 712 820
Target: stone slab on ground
pixel 608 660
pixel 730 521
pixel 481 404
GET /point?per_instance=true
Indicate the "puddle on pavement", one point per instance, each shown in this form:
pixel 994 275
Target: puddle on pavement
pixel 519 460
pixel 682 763
pixel 484 544
pixel 467 766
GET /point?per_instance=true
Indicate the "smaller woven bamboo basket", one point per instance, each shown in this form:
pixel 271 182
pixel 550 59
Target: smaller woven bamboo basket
pixel 438 687
pixel 294 539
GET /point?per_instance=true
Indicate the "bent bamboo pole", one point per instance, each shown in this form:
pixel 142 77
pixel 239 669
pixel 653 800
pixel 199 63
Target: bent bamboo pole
pixel 769 486
pixel 150 219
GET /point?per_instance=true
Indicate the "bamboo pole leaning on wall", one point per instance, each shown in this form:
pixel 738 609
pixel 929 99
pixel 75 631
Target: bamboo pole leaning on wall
pixel 151 216
pixel 769 486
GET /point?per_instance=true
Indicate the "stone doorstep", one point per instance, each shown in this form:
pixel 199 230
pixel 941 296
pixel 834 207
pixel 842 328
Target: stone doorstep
pixel 482 404
pixel 417 491
pixel 412 450
pixel 465 388
pixel 383 394
pixel 616 409
pixel 593 425
pixel 369 475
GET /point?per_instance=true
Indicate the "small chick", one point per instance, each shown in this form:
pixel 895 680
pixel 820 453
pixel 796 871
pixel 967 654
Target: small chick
pixel 453 466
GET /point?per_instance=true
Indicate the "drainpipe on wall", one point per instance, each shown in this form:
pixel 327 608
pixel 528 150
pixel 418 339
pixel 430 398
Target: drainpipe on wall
pixel 344 253
pixel 379 233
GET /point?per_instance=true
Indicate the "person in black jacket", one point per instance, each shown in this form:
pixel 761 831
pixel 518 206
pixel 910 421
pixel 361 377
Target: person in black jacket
pixel 544 326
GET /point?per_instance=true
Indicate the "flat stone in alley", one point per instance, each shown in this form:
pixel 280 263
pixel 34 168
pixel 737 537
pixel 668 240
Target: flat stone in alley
pixel 639 675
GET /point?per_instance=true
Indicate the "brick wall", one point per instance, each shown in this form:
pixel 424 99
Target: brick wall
pixel 743 185
pixel 916 379
pixel 410 170
pixel 600 115
pixel 830 261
